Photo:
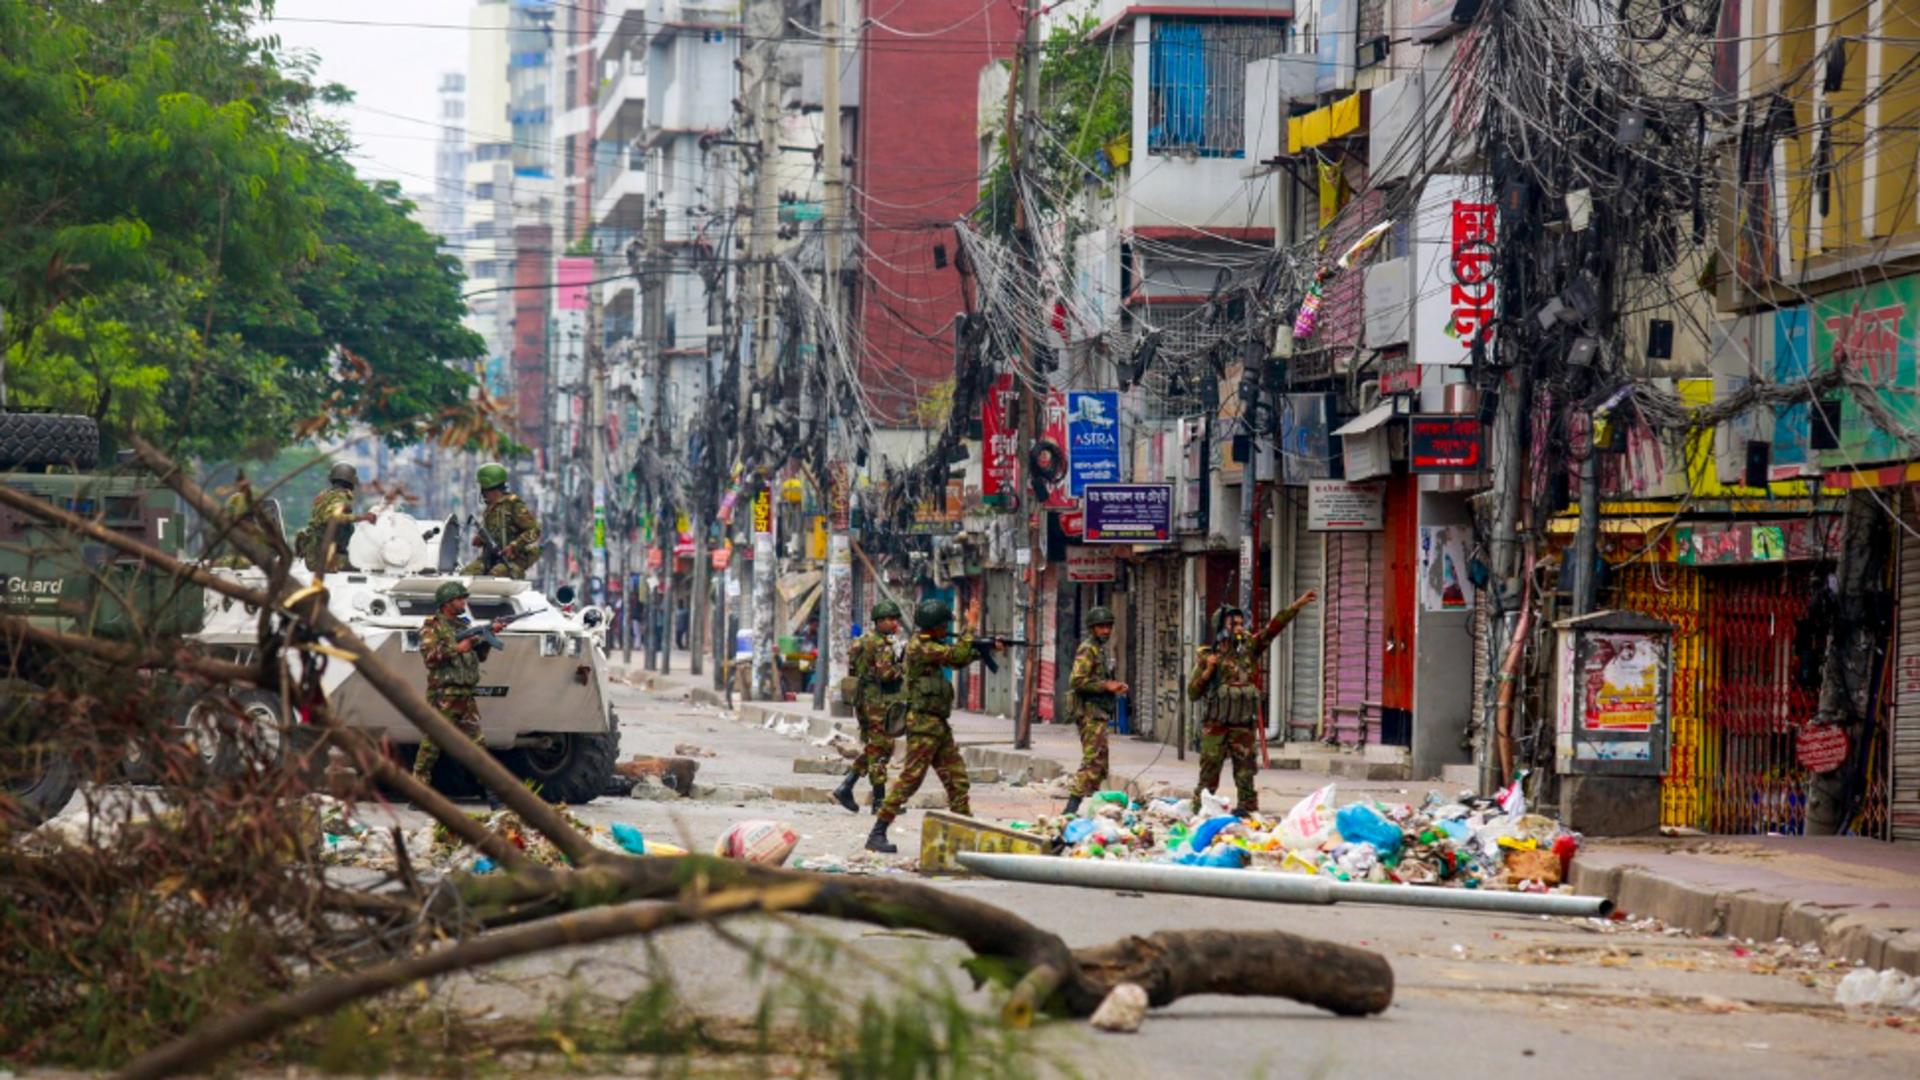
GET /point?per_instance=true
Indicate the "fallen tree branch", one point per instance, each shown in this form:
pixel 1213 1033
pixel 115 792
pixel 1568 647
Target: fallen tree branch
pixel 204 1045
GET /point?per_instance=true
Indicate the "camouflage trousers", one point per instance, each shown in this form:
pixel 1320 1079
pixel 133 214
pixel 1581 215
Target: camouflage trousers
pixel 1219 742
pixel 1093 753
pixel 876 748
pixel 936 751
pixel 465 714
pixel 480 568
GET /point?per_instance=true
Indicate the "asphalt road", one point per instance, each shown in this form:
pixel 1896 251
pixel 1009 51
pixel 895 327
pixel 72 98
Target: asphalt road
pixel 1476 995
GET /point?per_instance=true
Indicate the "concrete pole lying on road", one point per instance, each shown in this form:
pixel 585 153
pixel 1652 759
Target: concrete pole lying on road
pixel 1271 887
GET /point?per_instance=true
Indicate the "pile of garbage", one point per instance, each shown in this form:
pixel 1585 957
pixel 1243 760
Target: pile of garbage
pixel 346 840
pixel 1468 842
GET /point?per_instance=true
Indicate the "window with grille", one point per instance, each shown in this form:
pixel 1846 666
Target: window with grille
pixel 1198 83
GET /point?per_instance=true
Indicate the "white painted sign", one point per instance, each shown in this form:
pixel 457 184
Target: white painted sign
pixel 1088 565
pixel 1346 506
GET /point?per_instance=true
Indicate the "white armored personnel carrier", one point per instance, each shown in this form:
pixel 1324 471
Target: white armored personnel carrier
pixel 543 696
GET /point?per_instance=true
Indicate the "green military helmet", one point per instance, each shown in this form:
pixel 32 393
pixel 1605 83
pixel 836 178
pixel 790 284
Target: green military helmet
pixel 448 593
pixel 1220 617
pixel 344 473
pixel 885 609
pixel 491 475
pixel 932 614
pixel 1100 616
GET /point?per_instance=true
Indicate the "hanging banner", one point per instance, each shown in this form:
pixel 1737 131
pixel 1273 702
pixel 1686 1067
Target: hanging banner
pixel 1000 439
pixel 1055 432
pixel 763 512
pixel 1093 436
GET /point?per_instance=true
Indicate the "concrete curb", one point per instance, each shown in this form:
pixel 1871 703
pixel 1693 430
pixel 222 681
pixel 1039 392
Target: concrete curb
pixel 1637 891
pixel 1004 763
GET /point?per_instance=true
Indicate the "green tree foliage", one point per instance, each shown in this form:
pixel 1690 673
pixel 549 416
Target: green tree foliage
pixel 183 247
pixel 1086 103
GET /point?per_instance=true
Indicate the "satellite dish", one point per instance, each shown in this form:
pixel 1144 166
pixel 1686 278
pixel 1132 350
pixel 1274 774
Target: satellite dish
pixel 450 536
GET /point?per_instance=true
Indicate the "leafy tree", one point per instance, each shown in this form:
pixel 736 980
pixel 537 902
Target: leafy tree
pixel 183 247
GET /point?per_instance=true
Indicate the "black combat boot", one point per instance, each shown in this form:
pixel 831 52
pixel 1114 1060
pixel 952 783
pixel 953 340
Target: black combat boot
pixel 1073 806
pixel 877 839
pixel 879 796
pixel 844 793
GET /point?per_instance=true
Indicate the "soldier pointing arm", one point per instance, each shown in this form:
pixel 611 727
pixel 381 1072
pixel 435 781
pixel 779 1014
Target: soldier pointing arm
pixel 1226 679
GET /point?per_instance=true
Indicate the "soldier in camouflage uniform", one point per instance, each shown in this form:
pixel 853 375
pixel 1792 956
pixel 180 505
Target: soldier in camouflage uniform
pixel 929 702
pixel 245 518
pixel 1095 691
pixel 875 670
pixel 323 543
pixel 511 524
pixel 1226 677
pixel 453 670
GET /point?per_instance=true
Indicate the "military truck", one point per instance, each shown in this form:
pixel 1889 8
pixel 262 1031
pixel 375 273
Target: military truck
pixel 63 582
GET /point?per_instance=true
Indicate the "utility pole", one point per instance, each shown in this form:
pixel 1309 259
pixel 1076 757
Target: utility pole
pixel 596 371
pixel 1026 671
pixel 836 616
pixel 665 528
pixel 766 24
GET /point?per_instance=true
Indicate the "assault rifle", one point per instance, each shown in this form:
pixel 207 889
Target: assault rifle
pixel 1004 641
pixel 492 554
pixel 483 631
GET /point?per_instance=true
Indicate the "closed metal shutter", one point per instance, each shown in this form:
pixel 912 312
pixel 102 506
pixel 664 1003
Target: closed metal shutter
pixel 1903 813
pixel 1355 630
pixel 1309 572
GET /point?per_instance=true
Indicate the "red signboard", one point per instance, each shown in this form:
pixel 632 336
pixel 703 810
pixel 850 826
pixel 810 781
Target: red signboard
pixel 1821 748
pixel 1055 432
pixel 1444 444
pixel 1000 437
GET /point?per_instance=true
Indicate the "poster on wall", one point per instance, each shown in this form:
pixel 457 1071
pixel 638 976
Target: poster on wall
pixel 1055 432
pixel 1093 436
pixel 1306 450
pixel 1623 677
pixel 1444 582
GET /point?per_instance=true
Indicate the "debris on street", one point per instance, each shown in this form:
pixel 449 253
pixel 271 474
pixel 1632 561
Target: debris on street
pixel 1122 1011
pixel 676 773
pixel 768 842
pixel 1469 842
pixel 1865 989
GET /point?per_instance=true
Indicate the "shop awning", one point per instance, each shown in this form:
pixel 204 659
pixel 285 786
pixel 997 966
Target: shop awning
pixel 1368 420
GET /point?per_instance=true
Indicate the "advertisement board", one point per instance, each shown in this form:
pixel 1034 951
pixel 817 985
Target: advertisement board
pixel 1129 513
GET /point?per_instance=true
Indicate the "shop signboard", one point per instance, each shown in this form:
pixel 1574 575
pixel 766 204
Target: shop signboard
pixel 1087 565
pixel 1346 506
pixel 1871 330
pixel 1055 432
pixel 763 512
pixel 1455 233
pixel 1093 436
pixel 1129 513
pixel 1000 440
pixel 1439 443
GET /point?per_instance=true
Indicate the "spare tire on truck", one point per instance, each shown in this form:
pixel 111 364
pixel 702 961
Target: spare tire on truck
pixel 43 440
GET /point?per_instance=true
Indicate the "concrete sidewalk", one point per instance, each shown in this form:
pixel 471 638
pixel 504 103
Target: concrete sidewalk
pixel 1858 900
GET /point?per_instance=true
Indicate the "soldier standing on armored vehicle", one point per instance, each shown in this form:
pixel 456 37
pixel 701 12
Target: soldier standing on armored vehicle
pixel 876 670
pixel 323 543
pixel 509 536
pixel 1095 692
pixel 927 697
pixel 453 670
pixel 1226 677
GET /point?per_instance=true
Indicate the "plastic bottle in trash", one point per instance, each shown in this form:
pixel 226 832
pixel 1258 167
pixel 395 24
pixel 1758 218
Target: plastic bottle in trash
pixel 1219 856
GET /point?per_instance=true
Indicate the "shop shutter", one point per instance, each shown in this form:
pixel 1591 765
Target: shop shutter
pixel 1904 811
pixel 1354 635
pixel 1309 569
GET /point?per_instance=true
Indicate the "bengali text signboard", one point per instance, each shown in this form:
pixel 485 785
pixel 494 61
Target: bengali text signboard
pixel 1129 513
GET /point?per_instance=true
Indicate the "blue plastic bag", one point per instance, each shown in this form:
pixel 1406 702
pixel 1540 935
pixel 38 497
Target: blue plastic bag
pixel 1222 857
pixel 1361 824
pixel 1204 832
pixel 629 838
pixel 1077 830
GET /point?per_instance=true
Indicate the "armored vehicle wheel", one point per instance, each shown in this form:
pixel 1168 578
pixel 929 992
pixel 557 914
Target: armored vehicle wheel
pixel 571 768
pixel 37 440
pixel 36 780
